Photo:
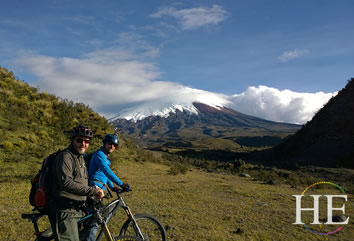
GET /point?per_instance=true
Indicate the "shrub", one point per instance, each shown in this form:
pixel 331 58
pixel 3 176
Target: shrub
pixel 265 175
pixel 21 144
pixel 7 145
pixel 178 168
pixel 33 138
pixel 144 155
pixel 43 134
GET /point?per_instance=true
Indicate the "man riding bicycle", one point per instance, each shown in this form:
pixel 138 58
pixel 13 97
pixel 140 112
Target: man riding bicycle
pixel 71 188
pixel 100 173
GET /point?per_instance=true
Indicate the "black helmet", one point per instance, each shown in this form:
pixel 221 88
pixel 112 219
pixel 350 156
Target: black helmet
pixel 82 130
pixel 111 138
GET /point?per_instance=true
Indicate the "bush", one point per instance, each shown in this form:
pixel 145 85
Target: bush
pixel 265 175
pixel 178 168
pixel 21 144
pixel 7 145
pixel 33 139
pixel 43 134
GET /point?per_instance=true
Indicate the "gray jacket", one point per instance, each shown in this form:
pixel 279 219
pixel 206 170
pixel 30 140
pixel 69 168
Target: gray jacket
pixel 70 176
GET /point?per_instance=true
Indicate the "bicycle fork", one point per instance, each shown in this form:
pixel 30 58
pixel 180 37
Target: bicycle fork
pixel 131 217
pixel 105 229
pixel 107 233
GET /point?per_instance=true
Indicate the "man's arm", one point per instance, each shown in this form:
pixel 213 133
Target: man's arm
pixel 103 165
pixel 110 184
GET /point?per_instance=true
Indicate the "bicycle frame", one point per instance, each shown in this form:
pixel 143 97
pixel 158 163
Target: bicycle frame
pixel 117 203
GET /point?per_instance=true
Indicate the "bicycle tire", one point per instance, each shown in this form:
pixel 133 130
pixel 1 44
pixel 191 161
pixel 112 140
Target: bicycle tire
pixel 127 238
pixel 150 226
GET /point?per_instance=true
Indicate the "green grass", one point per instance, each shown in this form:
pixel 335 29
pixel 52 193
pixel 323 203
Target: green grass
pixel 193 206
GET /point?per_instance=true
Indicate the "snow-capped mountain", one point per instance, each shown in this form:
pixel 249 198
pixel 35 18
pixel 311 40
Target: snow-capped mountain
pixel 201 125
pixel 143 112
pixel 164 109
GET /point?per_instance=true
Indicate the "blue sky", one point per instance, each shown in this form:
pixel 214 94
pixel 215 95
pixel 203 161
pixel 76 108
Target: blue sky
pixel 148 51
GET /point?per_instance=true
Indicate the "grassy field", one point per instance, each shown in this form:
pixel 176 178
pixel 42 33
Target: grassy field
pixel 194 206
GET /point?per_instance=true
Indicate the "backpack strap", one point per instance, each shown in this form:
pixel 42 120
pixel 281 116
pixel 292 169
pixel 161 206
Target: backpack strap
pixel 95 180
pixel 75 169
pixel 104 185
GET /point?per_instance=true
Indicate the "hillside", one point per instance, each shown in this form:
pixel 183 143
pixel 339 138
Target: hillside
pixel 328 139
pixel 211 128
pixel 34 123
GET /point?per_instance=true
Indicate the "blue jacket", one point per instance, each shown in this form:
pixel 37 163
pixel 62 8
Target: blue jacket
pixel 99 171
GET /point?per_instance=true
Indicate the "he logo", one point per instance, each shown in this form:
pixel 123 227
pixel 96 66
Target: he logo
pixel 315 208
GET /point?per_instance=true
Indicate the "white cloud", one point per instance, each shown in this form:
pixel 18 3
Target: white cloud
pixel 109 81
pixel 292 54
pixel 12 22
pixel 102 77
pixel 280 105
pixel 114 81
pixel 81 19
pixel 193 18
pixel 135 43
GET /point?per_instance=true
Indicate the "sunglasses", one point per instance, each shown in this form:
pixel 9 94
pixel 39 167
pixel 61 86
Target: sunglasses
pixel 80 140
pixel 112 144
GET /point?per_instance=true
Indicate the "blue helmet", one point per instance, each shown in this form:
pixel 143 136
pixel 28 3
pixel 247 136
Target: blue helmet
pixel 111 138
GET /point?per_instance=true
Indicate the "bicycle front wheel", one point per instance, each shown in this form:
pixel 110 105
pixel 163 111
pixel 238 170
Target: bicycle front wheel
pixel 127 238
pixel 150 227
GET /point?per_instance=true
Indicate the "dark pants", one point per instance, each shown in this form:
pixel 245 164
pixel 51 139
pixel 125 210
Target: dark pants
pixel 64 225
pixel 64 220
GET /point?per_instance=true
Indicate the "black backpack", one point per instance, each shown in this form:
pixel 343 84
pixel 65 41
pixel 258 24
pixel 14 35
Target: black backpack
pixel 41 183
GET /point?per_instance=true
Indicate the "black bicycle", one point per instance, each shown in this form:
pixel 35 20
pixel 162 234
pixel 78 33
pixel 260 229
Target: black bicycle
pixel 139 227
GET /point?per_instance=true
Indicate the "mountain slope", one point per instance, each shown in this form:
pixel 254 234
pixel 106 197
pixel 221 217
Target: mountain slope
pixel 34 124
pixel 211 128
pixel 328 139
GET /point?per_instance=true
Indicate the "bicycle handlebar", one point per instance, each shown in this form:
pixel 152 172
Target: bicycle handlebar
pixel 122 191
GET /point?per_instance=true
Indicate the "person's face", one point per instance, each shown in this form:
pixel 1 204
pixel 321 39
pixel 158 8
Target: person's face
pixel 80 144
pixel 109 147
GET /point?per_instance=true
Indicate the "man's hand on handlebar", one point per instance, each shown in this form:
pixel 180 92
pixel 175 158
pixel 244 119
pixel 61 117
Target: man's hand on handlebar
pixel 115 189
pixel 125 187
pixel 99 193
